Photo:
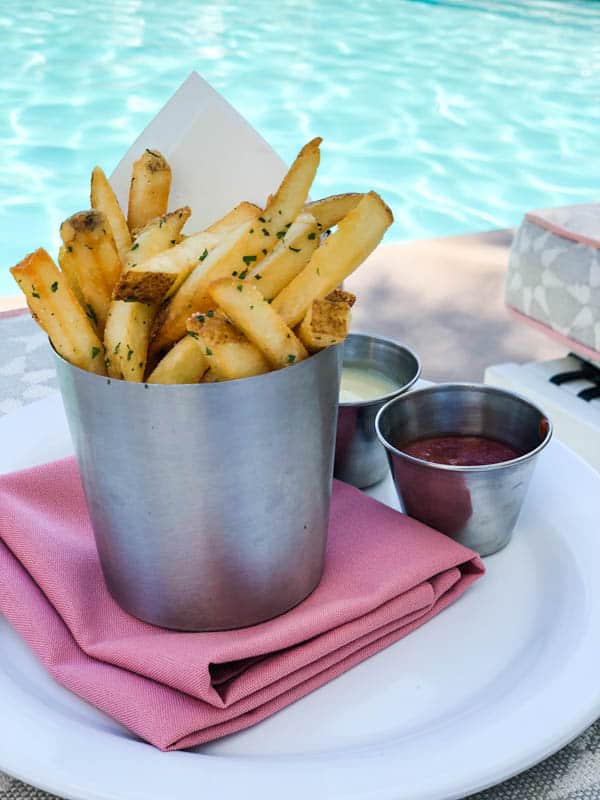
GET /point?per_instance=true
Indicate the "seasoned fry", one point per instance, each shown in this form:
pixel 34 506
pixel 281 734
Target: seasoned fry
pixel 184 363
pixel 228 352
pixel 149 189
pixel 126 339
pixel 252 314
pixel 150 280
pixel 357 235
pixel 155 239
pixel 327 321
pixel 288 258
pixel 56 309
pixel 67 265
pixel 103 199
pixel 244 251
pixel 90 255
pixel 330 210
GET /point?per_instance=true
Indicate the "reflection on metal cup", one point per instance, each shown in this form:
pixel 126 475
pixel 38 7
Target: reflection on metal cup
pixel 359 458
pixel 209 502
pixel 476 505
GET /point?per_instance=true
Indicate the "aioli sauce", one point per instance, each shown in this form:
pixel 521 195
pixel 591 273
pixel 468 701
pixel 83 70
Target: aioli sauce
pixel 364 383
pixel 460 451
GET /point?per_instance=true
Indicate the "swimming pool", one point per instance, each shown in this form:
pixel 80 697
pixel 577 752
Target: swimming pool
pixel 462 114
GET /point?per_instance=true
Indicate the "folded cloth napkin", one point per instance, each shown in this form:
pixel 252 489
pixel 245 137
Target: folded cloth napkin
pixel 385 575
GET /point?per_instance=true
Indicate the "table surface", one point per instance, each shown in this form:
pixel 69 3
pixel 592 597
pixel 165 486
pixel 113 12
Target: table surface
pixel 26 375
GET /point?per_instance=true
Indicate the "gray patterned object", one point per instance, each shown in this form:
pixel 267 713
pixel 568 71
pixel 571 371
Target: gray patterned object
pixel 554 274
pixel 26 374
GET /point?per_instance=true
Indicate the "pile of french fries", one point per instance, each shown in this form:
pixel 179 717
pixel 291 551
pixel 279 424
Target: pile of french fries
pixel 136 299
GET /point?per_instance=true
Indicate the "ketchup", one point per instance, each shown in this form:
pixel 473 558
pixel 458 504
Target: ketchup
pixel 460 451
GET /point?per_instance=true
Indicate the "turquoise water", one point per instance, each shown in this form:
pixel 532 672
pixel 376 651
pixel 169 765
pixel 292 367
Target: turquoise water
pixel 462 114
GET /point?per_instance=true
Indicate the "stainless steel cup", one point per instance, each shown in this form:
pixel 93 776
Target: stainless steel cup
pixel 209 502
pixel 479 505
pixel 359 458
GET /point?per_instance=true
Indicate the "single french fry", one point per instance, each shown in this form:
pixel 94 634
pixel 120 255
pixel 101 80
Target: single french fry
pixel 126 338
pixel 251 313
pixel 152 280
pixel 357 235
pixel 67 265
pixel 56 309
pixel 156 239
pixel 327 321
pixel 289 257
pixel 149 189
pixel 184 363
pixel 330 210
pixel 91 255
pixel 244 251
pixel 103 199
pixel 228 352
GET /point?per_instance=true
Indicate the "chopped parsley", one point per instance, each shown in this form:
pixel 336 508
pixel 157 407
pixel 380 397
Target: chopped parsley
pixel 54 286
pixel 204 254
pixel 34 292
pixel 208 351
pixel 258 276
pixel 117 348
pixel 91 314
pixel 129 353
pixel 199 317
pixel 280 234
pixel 264 252
pixel 262 219
pixel 135 245
pixel 243 274
pixel 266 232
pixel 210 313
pixel 312 235
pixel 239 287
pixel 193 334
pixel 173 241
pixel 94 351
pixel 248 260
pixel 295 249
pixel 234 273
pixel 291 358
pixel 69 249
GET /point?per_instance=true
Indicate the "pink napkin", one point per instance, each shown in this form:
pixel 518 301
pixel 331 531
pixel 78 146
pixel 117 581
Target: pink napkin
pixel 385 575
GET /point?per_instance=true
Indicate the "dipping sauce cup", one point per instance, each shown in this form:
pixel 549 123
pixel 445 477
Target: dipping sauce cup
pixel 359 458
pixel 477 506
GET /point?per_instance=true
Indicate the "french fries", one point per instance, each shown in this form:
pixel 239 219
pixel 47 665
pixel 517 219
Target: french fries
pixel 184 363
pixel 138 300
pixel 56 309
pixel 357 235
pixel 327 321
pixel 245 250
pixel 90 256
pixel 150 280
pixel 288 258
pixel 103 199
pixel 228 352
pixel 330 210
pixel 149 189
pixel 251 313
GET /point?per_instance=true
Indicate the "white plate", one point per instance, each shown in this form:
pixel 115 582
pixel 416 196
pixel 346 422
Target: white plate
pixel 498 681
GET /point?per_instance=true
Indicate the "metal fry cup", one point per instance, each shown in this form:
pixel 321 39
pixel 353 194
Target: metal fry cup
pixel 209 502
pixel 476 505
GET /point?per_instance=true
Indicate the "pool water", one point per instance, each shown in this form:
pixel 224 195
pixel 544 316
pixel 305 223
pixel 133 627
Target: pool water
pixel 462 114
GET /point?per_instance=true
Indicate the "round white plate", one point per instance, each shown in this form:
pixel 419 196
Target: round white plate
pixel 500 680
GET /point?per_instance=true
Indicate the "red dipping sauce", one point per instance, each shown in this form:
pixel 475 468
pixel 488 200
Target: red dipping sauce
pixel 460 451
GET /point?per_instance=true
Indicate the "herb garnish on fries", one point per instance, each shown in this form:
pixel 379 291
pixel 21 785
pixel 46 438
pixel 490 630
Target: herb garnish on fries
pixel 136 299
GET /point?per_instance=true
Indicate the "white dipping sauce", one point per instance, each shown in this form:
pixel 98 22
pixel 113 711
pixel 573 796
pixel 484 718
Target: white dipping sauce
pixel 364 383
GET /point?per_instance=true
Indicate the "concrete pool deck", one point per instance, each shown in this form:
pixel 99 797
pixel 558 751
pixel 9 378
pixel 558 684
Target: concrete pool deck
pixel 444 299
